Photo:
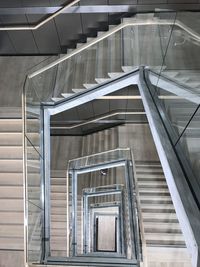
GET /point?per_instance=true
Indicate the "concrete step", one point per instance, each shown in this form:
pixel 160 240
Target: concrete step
pixel 142 164
pixel 155 199
pixel 7 192
pixel 11 165
pixel 12 243
pixel 150 183
pixel 59 232
pixel 102 80
pixel 59 181
pixel 11 125
pixel 10 138
pixel 100 33
pixel 66 95
pixel 58 225
pixel 161 227
pixel 114 75
pixel 10 178
pixel 159 217
pixel 11 231
pixel 56 195
pixel 57 99
pixel 165 208
pixel 81 90
pixel 11 152
pixel 149 171
pixel 11 205
pixel 164 239
pixel 151 179
pixel 58 210
pixel 10 217
pixel 58 218
pixel 129 68
pixel 58 189
pixel 89 85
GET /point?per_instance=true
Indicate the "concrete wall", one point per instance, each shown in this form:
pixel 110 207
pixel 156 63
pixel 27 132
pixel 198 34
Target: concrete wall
pixel 138 137
pixel 13 71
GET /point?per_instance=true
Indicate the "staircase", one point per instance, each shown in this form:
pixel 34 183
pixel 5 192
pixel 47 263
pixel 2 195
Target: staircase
pixel 161 225
pixel 165 245
pixel 102 62
pixel 11 186
pixel 58 230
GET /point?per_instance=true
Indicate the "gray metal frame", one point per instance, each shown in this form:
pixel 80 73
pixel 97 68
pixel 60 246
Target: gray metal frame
pixel 120 216
pixel 132 218
pixel 187 211
pixel 97 214
pixel 49 110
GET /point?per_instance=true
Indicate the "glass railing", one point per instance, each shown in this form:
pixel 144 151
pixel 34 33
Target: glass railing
pixel 177 93
pixel 181 118
pixel 33 171
pixel 134 43
pixel 100 158
pixel 168 43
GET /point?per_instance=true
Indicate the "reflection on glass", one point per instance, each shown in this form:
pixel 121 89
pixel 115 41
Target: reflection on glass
pixel 177 107
pixel 181 62
pixel 35 229
pixel 100 158
pixel 34 175
pixel 190 143
pixel 33 118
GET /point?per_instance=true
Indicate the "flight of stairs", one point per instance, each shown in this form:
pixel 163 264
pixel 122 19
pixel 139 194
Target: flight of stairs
pixel 108 59
pixel 11 187
pixel 164 241
pixel 58 230
pixel 160 222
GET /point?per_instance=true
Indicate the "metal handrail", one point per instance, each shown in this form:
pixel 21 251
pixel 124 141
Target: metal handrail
pixel 135 22
pixel 101 153
pixel 112 114
pixel 140 217
pixel 37 26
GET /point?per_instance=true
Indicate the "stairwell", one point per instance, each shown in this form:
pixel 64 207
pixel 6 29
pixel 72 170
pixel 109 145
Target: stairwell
pixel 161 228
pixel 162 232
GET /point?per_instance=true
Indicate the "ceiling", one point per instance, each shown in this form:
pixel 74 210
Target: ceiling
pixel 72 26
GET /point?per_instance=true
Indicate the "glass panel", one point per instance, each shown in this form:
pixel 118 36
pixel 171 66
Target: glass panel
pixel 131 47
pixel 44 84
pixel 34 175
pixel 33 118
pixel 181 63
pixel 35 233
pixel 176 89
pixel 190 143
pixel 100 158
pixel 177 107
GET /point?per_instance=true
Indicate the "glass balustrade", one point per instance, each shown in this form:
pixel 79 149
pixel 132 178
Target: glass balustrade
pixel 176 91
pixel 168 43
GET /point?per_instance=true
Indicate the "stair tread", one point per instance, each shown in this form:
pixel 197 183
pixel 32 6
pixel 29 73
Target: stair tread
pixel 89 85
pixel 78 90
